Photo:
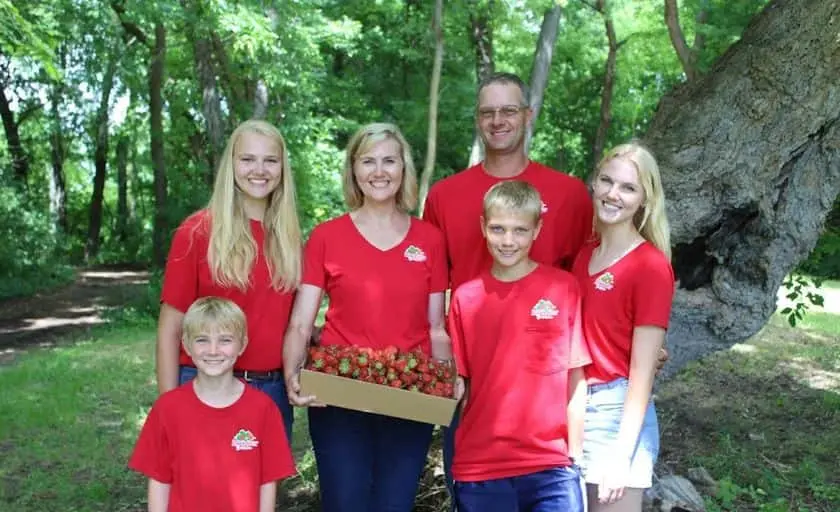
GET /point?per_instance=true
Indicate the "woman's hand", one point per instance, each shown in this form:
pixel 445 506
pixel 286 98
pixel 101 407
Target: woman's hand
pixel 611 488
pixel 292 377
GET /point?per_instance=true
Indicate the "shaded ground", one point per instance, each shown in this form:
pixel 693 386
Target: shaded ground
pixel 43 319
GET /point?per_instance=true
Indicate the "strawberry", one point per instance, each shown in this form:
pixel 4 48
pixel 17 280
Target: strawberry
pixel 396 383
pixel 344 367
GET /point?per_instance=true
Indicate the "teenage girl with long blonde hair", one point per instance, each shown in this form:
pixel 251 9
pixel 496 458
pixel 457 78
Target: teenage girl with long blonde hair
pixel 627 286
pixel 245 246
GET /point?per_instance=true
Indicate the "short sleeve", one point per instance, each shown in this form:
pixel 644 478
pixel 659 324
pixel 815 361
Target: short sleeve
pixel 152 455
pixel 180 278
pixel 276 456
pixel 653 293
pixel 456 334
pixel 314 254
pixel 578 350
pixel 439 264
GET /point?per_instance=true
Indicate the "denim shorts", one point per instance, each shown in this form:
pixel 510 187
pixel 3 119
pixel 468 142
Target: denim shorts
pixel 604 408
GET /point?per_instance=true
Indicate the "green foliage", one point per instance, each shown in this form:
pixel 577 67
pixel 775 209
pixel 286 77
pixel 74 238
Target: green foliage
pixel 30 256
pixel 802 293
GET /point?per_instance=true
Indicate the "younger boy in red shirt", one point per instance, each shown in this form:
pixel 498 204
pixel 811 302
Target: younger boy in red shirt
pixel 516 336
pixel 213 443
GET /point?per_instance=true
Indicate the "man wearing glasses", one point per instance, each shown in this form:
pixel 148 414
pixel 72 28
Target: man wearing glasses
pixel 455 203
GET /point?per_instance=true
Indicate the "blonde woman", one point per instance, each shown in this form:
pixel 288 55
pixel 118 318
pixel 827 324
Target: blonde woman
pixel 245 246
pixel 385 274
pixel 627 286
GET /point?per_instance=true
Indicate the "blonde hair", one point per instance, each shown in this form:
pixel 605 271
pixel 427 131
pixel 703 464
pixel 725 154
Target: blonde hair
pixel 213 313
pixel 232 250
pixel 513 196
pixel 650 220
pixel 360 143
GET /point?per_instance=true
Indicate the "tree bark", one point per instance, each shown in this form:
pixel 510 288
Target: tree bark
pixel 481 36
pixel 542 65
pixel 58 187
pixel 750 159
pixel 156 69
pixel 100 158
pixel 20 160
pixel 434 89
pixel 605 117
pixel 672 20
pixel 122 189
pixel 260 100
pixel 211 104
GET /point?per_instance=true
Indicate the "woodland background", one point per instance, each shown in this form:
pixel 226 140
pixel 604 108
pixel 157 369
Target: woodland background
pixel 114 114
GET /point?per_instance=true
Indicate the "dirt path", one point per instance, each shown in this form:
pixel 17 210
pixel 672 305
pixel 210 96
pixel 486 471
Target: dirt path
pixel 45 318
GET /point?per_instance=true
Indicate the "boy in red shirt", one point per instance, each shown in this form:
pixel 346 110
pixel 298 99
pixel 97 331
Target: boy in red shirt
pixel 516 337
pixel 213 443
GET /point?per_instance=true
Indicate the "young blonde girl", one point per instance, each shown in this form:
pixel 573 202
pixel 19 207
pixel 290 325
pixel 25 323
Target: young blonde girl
pixel 627 285
pixel 245 246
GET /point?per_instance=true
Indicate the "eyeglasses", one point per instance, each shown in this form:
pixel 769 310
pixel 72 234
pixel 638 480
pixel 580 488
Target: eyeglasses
pixel 506 111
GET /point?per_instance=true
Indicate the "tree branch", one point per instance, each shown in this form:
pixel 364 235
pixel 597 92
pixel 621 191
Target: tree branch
pixel 672 20
pixel 129 27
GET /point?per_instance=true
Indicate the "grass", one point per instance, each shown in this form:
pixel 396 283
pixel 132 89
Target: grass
pixel 761 418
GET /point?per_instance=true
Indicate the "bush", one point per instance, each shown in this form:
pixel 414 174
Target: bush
pixel 30 259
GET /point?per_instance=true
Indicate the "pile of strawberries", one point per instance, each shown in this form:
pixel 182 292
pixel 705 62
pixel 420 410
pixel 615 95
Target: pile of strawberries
pixel 413 371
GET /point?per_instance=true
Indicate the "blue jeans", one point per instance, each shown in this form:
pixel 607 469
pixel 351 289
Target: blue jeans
pixel 449 455
pixel 276 389
pixel 553 490
pixel 367 462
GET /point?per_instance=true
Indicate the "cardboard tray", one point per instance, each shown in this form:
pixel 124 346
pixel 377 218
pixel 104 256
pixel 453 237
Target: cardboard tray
pixel 376 398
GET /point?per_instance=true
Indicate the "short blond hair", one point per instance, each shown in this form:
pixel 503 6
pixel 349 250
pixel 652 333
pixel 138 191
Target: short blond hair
pixel 214 313
pixel 360 143
pixel 513 196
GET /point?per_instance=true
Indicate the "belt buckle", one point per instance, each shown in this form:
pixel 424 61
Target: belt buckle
pixel 245 376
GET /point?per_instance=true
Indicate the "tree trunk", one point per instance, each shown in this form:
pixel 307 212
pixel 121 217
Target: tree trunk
pixel 542 65
pixel 699 37
pixel 122 188
pixel 100 158
pixel 260 100
pixel 750 158
pixel 58 187
pixel 20 161
pixel 211 104
pixel 607 89
pixel 157 62
pixel 434 89
pixel 481 36
pixel 672 20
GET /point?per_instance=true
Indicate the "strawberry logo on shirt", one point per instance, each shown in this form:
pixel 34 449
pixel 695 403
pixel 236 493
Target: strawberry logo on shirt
pixel 544 309
pixel 605 282
pixel 414 253
pixel 244 440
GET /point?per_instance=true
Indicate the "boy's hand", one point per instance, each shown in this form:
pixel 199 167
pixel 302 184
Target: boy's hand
pixel 662 358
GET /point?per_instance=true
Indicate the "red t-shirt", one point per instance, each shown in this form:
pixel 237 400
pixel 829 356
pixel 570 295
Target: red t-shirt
pixel 187 278
pixel 455 205
pixel 214 459
pixel 636 290
pixel 377 298
pixel 516 343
